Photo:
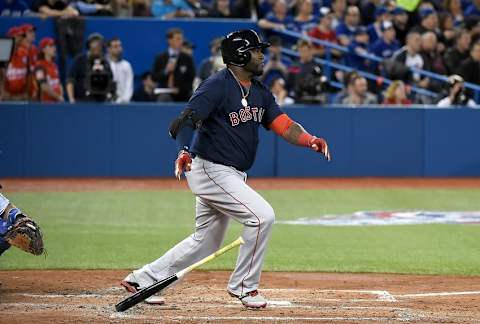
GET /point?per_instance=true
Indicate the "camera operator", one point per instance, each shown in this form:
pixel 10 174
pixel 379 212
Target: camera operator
pixel 90 77
pixel 306 78
pixel 457 96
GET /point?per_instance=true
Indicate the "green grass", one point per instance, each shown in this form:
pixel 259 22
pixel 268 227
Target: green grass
pixel 106 230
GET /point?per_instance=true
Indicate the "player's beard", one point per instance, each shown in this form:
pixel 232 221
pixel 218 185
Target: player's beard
pixel 255 68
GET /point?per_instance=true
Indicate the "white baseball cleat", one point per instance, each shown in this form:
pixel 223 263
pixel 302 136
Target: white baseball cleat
pixel 251 299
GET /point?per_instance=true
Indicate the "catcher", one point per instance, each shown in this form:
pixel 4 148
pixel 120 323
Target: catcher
pixel 18 229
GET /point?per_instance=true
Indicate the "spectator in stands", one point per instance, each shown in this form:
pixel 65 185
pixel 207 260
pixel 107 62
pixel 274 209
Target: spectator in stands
pixel 14 8
pixel 357 47
pixel 457 96
pixel 306 78
pixel 121 69
pixel 432 59
pixel 470 68
pixel 213 63
pixel 387 44
pixel 222 9
pixel 324 31
pixel 146 93
pixel 131 8
pixel 168 9
pixel 433 62
pixel 175 69
pixel 304 20
pixel 409 55
pixel 368 9
pixel 447 28
pixel 277 18
pixel 473 25
pixel 52 8
pixel 18 72
pixel 429 23
pixel 276 65
pixel 346 30
pixel 67 8
pixel 473 9
pixel 90 77
pixel 47 81
pixel 280 93
pixel 358 93
pixel 375 29
pixel 338 9
pixel 455 8
pixel 400 20
pixel 396 94
pixel 454 56
pixel 345 78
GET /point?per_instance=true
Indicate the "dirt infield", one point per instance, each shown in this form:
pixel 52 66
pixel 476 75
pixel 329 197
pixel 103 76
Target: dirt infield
pixel 90 296
pixel 109 184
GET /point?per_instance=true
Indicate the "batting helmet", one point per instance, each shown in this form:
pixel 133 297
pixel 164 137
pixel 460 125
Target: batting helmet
pixel 235 47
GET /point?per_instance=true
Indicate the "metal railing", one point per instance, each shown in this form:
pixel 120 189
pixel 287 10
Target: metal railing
pixel 327 62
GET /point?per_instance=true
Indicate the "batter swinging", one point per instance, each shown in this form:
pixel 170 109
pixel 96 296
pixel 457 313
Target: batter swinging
pixel 226 110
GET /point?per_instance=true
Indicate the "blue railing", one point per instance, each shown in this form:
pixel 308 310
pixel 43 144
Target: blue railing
pixel 329 65
pixel 345 68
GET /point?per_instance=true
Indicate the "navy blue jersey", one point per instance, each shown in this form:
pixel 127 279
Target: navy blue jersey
pixel 229 132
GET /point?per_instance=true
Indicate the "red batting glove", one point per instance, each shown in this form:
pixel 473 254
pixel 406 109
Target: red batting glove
pixel 318 144
pixel 183 162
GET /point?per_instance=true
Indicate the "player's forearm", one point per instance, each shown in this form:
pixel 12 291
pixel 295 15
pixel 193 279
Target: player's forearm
pixel 297 135
pixel 290 130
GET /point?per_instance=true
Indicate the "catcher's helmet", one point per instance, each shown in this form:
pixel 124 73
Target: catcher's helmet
pixel 235 47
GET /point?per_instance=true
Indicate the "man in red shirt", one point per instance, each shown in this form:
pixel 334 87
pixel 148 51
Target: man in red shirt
pixel 323 31
pixel 29 34
pixel 48 86
pixel 16 85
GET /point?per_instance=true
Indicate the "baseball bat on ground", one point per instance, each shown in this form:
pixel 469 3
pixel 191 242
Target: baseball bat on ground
pixel 162 284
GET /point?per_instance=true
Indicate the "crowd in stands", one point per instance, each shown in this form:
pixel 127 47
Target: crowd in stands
pixel 373 36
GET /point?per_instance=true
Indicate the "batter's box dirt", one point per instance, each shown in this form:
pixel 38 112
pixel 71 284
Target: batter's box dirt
pixel 90 296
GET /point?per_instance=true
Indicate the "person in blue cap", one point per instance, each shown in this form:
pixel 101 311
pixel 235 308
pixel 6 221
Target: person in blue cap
pixel 358 46
pixel 375 30
pixel 385 46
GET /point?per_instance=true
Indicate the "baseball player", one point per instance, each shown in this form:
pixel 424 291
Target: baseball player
pixel 18 229
pixel 226 111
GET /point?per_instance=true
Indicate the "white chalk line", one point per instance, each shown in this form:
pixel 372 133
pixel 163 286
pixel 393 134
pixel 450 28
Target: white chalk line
pixel 381 294
pixel 250 318
pixel 438 294
pixel 65 296
pixel 330 307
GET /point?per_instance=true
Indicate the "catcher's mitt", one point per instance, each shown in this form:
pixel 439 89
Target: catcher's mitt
pixel 26 235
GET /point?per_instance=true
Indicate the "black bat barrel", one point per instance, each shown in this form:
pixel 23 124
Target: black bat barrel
pixel 143 294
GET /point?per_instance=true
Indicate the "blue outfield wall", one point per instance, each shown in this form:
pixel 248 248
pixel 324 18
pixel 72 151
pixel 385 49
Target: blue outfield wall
pixel 132 141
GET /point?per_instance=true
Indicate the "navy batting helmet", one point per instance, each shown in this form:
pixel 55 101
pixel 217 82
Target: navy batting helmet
pixel 235 47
